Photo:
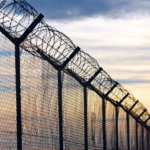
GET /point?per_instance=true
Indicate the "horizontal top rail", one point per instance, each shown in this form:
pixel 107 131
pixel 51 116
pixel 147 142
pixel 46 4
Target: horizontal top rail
pixel 17 15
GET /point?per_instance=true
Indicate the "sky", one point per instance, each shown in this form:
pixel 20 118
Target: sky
pixel 115 32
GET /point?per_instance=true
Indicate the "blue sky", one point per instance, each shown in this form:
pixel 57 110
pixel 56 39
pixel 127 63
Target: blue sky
pixel 115 32
pixel 73 9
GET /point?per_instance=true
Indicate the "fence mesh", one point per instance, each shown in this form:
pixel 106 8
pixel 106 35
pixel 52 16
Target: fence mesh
pixel 53 108
pixel 110 126
pixel 39 103
pixel 73 113
pixel 122 129
pixel 7 95
pixel 132 133
pixel 145 139
pixel 95 129
pixel 140 137
pixel 149 139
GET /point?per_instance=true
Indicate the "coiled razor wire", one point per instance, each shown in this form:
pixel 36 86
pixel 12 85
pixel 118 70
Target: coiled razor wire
pixel 17 15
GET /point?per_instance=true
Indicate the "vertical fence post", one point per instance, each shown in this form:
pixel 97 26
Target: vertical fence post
pixel 17 42
pixel 60 110
pixel 18 97
pixel 117 127
pixel 104 114
pixel 86 107
pixel 128 128
pixel 147 139
pixel 104 123
pixel 136 132
pixel 85 120
pixel 143 142
pixel 119 103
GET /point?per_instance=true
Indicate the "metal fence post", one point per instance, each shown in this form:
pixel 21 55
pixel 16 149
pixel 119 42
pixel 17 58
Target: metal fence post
pixel 136 131
pixel 147 139
pixel 18 97
pixel 85 120
pixel 59 68
pixel 60 110
pixel 18 90
pixel 116 127
pixel 104 114
pixel 143 146
pixel 104 123
pixel 85 107
pixel 17 42
pixel 128 128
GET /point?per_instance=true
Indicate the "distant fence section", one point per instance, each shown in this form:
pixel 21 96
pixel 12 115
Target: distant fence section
pixel 55 96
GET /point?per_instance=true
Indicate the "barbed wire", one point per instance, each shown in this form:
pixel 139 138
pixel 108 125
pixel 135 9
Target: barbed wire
pixel 17 15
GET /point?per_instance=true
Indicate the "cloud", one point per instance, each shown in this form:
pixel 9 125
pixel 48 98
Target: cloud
pixel 73 9
pixel 121 46
pixel 134 81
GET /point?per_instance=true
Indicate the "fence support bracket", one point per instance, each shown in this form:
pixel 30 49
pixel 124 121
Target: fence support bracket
pixel 133 106
pixel 30 28
pixel 147 119
pixel 123 99
pixel 142 113
pixel 94 76
pixel 69 58
pixel 116 83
